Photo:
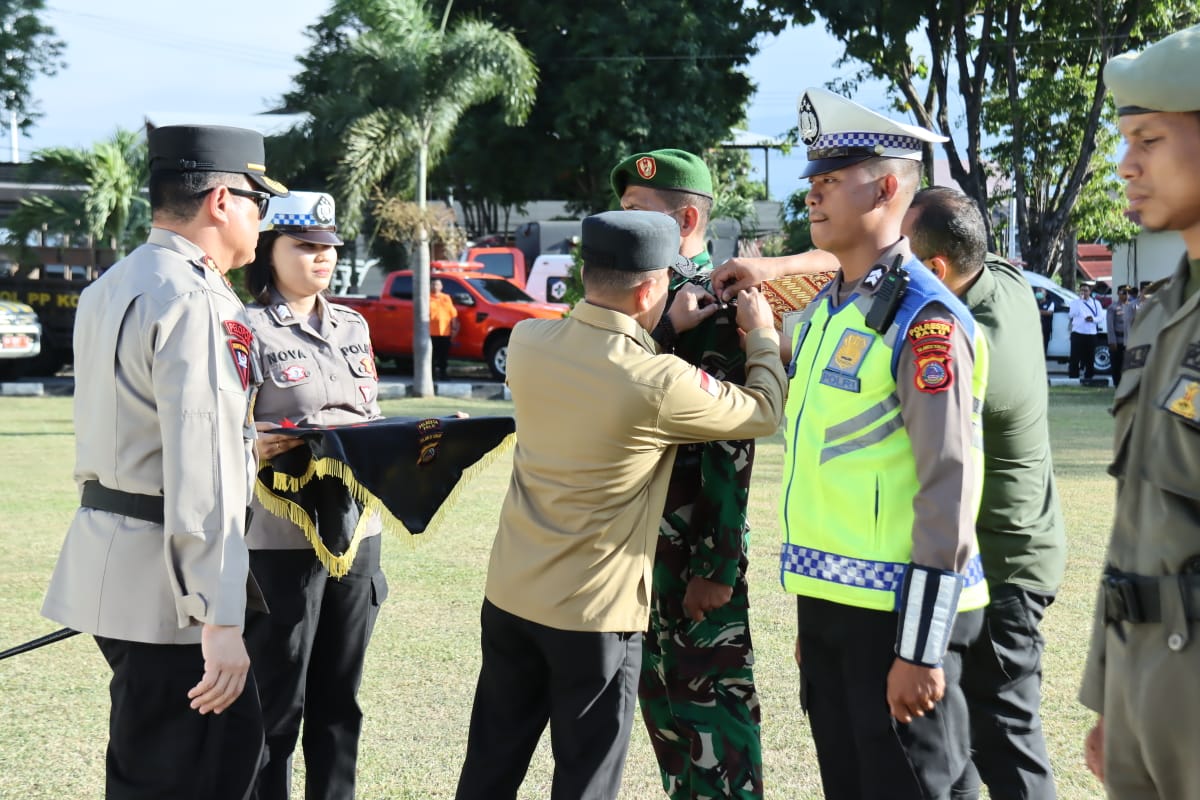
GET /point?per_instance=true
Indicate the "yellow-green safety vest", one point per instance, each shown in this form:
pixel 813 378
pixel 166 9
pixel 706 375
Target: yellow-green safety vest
pixel 849 474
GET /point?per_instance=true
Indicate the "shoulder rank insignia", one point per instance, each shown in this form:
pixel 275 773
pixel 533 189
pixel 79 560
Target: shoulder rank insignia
pixel 873 277
pixel 842 370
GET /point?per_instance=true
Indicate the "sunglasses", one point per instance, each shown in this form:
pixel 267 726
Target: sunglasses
pixel 261 199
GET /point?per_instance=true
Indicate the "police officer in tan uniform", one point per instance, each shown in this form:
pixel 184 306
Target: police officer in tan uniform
pixel 318 369
pixel 1141 673
pixel 599 416
pixel 154 564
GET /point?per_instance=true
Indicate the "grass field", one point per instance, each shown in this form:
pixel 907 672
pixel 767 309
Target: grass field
pixel 424 658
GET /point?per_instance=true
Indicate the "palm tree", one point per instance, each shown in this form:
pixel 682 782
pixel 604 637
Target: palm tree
pixel 111 209
pixel 415 79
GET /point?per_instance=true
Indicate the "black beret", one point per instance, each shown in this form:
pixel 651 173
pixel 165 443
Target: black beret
pixel 212 148
pixel 631 241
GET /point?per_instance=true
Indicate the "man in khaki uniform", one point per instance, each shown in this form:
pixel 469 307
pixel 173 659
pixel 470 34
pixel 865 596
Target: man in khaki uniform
pixel 1141 673
pixel 154 564
pixel 599 415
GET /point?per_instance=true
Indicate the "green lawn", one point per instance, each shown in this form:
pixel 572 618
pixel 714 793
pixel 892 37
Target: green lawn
pixel 424 659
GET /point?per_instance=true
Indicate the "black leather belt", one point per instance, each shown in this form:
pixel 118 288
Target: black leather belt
pixel 139 506
pixel 1138 598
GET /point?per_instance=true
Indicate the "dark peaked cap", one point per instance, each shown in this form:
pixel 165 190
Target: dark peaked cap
pixel 212 148
pixel 631 241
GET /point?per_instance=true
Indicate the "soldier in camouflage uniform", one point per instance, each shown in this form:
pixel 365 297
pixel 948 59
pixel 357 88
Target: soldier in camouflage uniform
pixel 697 690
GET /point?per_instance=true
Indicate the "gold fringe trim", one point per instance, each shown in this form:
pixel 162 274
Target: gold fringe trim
pixel 332 468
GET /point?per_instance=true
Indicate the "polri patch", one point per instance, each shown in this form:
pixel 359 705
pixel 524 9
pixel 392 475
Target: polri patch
pixel 1135 357
pixel 1182 400
pixel 842 370
pixel 930 341
pixel 240 338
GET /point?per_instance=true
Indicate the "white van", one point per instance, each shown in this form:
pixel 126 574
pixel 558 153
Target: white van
pixel 1060 334
pixel 547 279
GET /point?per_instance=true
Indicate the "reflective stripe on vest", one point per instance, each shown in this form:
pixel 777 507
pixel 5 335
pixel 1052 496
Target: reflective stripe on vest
pixel 882 576
pixel 849 471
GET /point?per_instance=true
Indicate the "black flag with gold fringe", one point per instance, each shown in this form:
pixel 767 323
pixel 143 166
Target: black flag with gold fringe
pixel 403 469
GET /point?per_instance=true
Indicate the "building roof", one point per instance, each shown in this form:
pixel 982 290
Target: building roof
pixel 1095 262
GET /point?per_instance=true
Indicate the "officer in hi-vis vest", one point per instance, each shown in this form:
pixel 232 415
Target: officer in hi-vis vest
pixel 882 476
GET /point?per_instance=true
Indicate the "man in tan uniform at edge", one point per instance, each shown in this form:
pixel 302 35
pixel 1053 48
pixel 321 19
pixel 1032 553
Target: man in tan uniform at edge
pixel 568 589
pixel 154 565
pixel 1143 669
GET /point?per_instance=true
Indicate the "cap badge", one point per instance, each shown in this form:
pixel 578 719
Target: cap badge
pixel 324 210
pixel 647 167
pixel 810 126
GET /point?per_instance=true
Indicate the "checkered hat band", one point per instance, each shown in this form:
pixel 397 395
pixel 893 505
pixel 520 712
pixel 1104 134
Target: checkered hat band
pixel 866 139
pixel 885 576
pixel 294 221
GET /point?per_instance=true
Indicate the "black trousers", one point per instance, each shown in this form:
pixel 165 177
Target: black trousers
pixel 1116 358
pixel 584 684
pixel 864 753
pixel 157 745
pixel 308 655
pixel 1002 681
pixel 1083 355
pixel 441 354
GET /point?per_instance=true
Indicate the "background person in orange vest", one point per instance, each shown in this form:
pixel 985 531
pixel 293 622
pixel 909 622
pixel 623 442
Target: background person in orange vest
pixel 443 326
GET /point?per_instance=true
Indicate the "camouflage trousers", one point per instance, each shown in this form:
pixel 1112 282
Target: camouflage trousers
pixel 698 699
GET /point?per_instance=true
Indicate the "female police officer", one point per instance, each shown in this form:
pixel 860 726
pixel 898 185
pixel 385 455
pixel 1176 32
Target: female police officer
pixel 318 369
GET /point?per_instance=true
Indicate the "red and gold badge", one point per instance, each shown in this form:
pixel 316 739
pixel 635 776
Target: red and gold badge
pixel 931 347
pixel 294 373
pixel 647 167
pixel 240 338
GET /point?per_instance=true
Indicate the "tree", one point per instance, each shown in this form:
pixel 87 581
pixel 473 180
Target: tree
pixel 393 85
pixel 616 78
pixel 111 207
pixel 1027 73
pixel 30 48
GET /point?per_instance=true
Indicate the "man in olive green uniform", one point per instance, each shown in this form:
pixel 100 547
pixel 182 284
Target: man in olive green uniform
pixel 154 565
pixel 1141 673
pixel 1020 528
pixel 599 414
pixel 697 690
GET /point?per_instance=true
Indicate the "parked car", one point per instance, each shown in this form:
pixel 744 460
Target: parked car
pixel 1060 334
pixel 20 337
pixel 488 308
pixel 544 280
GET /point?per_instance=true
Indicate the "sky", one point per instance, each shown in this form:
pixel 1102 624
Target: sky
pixel 128 59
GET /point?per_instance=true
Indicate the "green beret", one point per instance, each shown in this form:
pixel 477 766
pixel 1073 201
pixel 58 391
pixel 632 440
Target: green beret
pixel 663 169
pixel 631 241
pixel 1163 77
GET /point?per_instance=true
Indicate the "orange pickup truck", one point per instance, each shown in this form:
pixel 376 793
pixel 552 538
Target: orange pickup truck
pixel 488 308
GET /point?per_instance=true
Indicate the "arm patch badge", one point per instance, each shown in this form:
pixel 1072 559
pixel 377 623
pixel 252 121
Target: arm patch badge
pixel 930 341
pixel 708 383
pixel 240 338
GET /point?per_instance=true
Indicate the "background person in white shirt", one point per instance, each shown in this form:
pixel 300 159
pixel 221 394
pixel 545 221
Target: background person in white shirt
pixel 1085 314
